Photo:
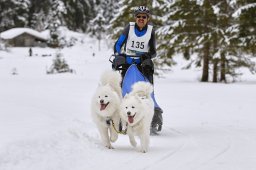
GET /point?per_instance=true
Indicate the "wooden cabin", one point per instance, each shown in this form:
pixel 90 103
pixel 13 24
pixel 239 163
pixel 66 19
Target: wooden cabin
pixel 23 37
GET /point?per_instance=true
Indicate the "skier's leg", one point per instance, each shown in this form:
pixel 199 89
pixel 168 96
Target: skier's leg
pixel 157 120
pixel 147 68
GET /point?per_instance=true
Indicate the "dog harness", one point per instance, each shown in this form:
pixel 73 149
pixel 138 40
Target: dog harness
pixel 124 132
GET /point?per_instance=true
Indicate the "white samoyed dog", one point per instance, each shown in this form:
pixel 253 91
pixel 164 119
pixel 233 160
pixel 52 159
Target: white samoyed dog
pixel 137 109
pixel 105 106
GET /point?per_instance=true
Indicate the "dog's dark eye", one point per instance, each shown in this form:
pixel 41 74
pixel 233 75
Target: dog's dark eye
pixel 106 96
pixel 99 96
pixel 126 107
pixel 133 107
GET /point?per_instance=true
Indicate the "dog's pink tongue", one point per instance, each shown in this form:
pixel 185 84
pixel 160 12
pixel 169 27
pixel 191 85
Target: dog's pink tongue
pixel 130 119
pixel 103 107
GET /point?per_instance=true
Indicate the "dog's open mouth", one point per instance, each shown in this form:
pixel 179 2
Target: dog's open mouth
pixel 131 118
pixel 103 106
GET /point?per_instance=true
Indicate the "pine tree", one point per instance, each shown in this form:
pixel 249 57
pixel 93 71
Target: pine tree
pixel 231 48
pixel 110 9
pixel 55 20
pixel 97 27
pixel 104 12
pixel 187 30
pixel 206 28
pixel 38 14
pixel 13 13
pixel 179 30
pixel 78 14
pixel 59 65
pixel 222 39
pixel 246 16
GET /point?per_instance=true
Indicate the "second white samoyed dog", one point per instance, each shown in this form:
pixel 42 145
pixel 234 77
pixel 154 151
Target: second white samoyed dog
pixel 137 109
pixel 105 106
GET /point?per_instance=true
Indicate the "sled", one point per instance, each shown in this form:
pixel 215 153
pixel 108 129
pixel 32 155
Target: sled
pixel 132 76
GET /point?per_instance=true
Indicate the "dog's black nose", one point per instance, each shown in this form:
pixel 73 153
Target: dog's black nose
pixel 101 101
pixel 128 113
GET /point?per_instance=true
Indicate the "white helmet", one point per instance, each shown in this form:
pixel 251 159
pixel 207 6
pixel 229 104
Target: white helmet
pixel 141 10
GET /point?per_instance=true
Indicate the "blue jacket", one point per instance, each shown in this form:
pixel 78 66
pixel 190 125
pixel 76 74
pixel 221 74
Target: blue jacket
pixel 123 39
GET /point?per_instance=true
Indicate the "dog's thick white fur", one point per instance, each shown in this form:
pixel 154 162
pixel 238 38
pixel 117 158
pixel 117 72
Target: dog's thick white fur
pixel 105 106
pixel 137 110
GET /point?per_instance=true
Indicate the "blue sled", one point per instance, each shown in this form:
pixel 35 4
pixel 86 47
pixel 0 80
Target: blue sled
pixel 132 76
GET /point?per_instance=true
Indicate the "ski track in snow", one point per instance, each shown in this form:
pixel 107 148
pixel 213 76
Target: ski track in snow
pixel 193 137
pixel 221 150
pixel 170 152
pixel 201 160
pixel 85 142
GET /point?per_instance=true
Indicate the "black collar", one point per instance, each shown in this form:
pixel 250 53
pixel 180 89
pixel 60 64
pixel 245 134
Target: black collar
pixel 108 120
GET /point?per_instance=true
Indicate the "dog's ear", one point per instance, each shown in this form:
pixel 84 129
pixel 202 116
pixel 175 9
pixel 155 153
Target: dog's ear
pixel 138 98
pixel 109 85
pixel 126 96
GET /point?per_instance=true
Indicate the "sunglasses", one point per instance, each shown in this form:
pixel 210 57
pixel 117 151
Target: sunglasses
pixel 144 17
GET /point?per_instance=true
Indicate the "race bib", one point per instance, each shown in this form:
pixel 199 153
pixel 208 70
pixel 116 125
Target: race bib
pixel 137 45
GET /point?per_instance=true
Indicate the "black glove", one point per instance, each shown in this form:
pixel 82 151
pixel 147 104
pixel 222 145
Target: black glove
pixel 145 56
pixel 118 61
pixel 147 64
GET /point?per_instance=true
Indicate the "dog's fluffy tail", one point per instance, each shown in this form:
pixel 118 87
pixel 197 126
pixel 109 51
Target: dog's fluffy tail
pixel 142 88
pixel 112 78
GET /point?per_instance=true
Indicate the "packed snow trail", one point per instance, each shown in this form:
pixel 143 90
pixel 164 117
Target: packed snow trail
pixel 45 121
pixel 54 132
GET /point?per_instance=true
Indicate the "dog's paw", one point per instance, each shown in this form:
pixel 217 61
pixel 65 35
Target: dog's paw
pixel 143 150
pixel 109 147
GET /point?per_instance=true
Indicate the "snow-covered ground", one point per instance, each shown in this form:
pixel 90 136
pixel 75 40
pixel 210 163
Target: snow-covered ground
pixel 45 121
